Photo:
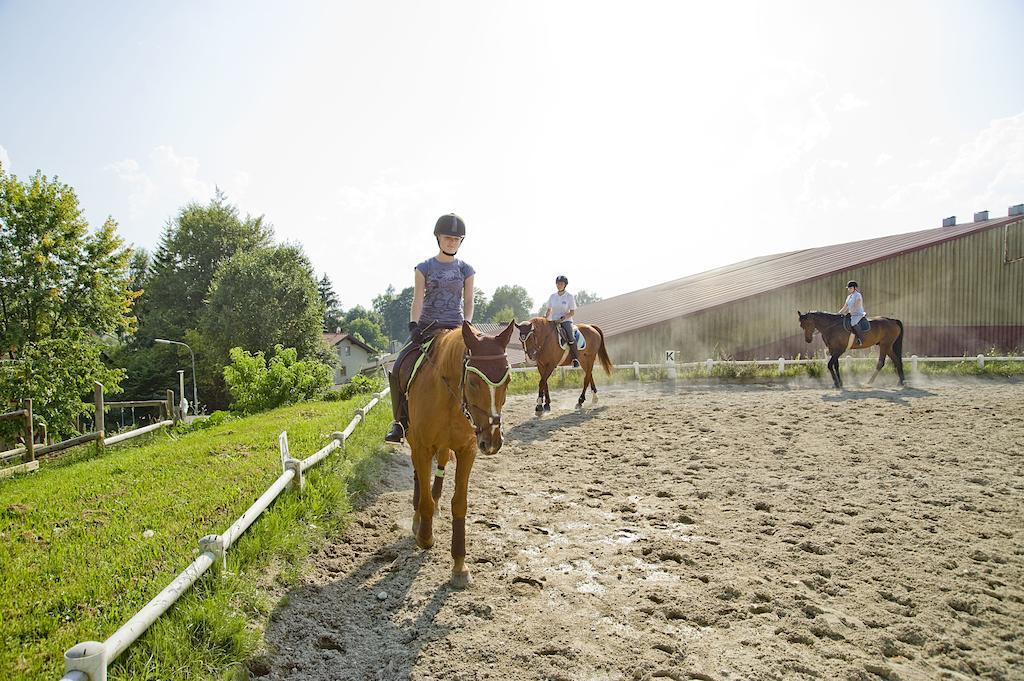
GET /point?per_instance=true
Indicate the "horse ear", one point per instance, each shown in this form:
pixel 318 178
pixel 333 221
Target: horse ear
pixel 468 336
pixel 505 335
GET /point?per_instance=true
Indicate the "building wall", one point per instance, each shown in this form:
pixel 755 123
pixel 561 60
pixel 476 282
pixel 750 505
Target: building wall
pixel 351 359
pixel 955 298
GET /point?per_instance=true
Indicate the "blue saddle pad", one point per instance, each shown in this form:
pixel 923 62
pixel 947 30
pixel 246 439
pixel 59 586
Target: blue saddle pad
pixel 581 340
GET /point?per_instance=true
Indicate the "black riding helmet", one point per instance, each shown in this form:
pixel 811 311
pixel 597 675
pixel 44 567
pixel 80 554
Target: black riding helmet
pixel 450 225
pixel 851 283
pixel 562 278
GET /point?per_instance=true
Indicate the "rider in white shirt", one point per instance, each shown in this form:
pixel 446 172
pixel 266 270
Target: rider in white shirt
pixel 561 309
pixel 855 307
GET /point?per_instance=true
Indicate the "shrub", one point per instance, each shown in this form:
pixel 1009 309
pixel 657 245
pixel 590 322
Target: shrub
pixel 360 384
pixel 255 385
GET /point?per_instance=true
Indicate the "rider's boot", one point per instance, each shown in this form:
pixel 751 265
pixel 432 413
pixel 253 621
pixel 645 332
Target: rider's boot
pixel 575 354
pixel 399 410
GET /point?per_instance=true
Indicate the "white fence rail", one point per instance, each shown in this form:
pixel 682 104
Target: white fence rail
pixel 88 661
pixel 781 363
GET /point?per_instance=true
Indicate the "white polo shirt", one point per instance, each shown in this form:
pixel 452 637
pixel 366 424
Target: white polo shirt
pixel 561 305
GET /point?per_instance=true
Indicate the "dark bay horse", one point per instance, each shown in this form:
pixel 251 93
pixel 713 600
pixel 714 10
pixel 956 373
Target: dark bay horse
pixel 455 403
pixel 540 343
pixel 886 333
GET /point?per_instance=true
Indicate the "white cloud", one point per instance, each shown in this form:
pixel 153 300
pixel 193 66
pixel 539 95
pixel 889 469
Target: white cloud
pixel 141 188
pixel 166 181
pixel 825 187
pixel 987 173
pixel 882 159
pixel 849 102
pixel 5 159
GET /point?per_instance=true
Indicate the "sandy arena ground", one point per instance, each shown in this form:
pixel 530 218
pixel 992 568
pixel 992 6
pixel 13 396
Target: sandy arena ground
pixel 704 532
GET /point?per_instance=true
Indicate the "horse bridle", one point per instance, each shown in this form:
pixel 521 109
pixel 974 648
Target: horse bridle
pixel 523 341
pixel 494 419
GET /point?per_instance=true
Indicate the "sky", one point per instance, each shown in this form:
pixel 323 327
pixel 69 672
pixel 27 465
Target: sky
pixel 621 144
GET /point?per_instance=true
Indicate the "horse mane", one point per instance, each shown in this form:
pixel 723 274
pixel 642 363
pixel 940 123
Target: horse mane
pixel 832 315
pixel 450 353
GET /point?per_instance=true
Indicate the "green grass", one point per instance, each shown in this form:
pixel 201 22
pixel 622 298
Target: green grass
pixel 75 564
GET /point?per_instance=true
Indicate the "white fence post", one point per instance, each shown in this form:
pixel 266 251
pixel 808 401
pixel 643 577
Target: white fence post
pixel 782 366
pixel 670 364
pixel 981 361
pixel 288 463
pixel 913 363
pixel 89 658
pixel 709 365
pixel 636 370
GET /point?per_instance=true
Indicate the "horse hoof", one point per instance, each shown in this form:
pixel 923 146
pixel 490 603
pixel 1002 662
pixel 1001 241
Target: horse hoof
pixel 579 405
pixel 540 408
pixel 462 580
pixel 424 543
pixel 547 407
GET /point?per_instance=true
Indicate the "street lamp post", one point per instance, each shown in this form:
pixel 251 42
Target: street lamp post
pixel 195 397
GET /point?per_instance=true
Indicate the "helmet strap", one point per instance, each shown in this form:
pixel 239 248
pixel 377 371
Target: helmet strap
pixel 450 255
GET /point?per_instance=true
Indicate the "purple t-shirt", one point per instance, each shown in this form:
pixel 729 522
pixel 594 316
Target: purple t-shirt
pixel 442 298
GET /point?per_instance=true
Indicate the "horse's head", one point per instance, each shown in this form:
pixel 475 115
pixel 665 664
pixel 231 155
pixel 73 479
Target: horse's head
pixel 528 338
pixel 807 324
pixel 485 382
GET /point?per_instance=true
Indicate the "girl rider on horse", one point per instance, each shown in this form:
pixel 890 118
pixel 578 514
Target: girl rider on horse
pixel 442 298
pixel 561 310
pixel 854 306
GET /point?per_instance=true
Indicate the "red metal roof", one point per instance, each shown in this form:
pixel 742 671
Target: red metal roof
pixel 697 292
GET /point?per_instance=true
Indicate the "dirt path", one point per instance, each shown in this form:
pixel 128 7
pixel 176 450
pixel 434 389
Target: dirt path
pixel 704 533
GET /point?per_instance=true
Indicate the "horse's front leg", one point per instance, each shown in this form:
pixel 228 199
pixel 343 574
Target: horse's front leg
pixel 438 483
pixel 423 501
pixel 837 379
pixel 540 394
pixel 460 573
pixel 547 395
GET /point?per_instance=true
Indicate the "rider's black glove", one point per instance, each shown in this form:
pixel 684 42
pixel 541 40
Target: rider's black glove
pixel 414 330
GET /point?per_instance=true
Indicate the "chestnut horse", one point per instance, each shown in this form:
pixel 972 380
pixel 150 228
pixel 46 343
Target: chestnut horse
pixel 886 333
pixel 540 343
pixel 455 403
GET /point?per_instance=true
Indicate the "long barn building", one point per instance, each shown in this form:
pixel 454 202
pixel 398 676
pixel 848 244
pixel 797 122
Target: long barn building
pixel 958 289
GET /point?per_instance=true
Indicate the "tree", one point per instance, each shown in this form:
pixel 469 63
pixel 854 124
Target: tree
pixel 332 308
pixel 504 316
pixel 62 290
pixel 481 306
pixel 586 298
pixel 192 247
pixel 259 299
pixel 394 311
pixel 514 298
pixel 367 326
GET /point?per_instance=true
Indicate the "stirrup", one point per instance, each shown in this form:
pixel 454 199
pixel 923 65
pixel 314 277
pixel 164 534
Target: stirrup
pixel 575 363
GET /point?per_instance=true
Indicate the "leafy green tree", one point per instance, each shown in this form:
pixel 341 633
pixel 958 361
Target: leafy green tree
pixel 367 331
pixel 260 299
pixel 504 316
pixel 192 247
pixel 256 385
pixel 62 290
pixel 394 311
pixel 514 298
pixel 481 305
pixel 585 297
pixel 332 308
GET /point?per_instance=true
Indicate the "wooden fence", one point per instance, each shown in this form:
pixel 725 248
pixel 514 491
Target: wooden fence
pixel 30 451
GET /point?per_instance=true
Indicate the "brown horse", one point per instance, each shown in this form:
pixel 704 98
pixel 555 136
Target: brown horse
pixel 455 403
pixel 540 343
pixel 886 333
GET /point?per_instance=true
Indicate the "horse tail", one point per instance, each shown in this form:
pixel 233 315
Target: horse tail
pixel 602 353
pixel 897 347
